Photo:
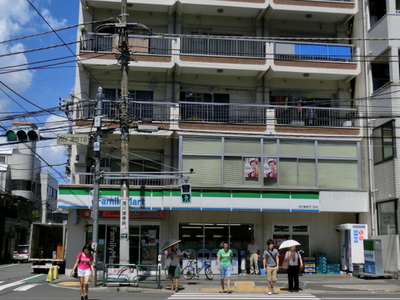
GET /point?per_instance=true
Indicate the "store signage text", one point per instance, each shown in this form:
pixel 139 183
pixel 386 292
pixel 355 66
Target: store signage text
pixel 115 201
pixel 151 214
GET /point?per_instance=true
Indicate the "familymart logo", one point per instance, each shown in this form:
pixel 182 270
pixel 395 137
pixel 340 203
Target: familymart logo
pixel 116 202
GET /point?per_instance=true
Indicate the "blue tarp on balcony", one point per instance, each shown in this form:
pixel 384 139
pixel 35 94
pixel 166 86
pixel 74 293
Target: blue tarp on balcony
pixel 323 52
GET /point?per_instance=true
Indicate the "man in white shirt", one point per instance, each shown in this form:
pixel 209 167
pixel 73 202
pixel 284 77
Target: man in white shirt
pixel 253 253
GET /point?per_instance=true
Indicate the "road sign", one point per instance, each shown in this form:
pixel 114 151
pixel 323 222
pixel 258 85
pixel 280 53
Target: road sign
pixel 72 139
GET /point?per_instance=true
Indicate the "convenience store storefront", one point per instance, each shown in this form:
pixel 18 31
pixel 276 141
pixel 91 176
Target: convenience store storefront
pixel 212 217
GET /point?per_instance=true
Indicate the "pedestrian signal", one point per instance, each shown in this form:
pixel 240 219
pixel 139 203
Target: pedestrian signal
pixel 186 192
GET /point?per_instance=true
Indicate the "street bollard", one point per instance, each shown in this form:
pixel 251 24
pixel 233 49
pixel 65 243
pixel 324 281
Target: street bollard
pixel 55 272
pixel 50 275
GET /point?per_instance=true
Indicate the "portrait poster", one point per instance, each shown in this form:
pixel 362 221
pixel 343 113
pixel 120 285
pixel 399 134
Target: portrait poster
pixel 251 167
pixel 270 167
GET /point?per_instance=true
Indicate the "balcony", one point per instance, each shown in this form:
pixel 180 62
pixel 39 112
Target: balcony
pixel 224 114
pixel 248 55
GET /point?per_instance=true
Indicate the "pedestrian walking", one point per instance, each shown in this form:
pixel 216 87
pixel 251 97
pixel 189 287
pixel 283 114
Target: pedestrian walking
pixel 85 266
pixel 174 270
pixel 295 264
pixel 224 261
pixel 253 253
pixel 271 265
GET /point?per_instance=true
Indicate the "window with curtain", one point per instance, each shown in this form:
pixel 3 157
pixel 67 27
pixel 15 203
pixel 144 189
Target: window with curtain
pixel 337 173
pixel 207 170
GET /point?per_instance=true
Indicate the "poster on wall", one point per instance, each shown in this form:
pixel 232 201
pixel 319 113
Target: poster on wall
pixel 270 167
pixel 251 167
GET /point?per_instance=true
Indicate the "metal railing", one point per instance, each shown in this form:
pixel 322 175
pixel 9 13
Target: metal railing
pixel 224 113
pixel 315 116
pixel 223 47
pixel 314 51
pixel 138 110
pixel 103 42
pixel 88 179
pixel 131 274
pixel 257 114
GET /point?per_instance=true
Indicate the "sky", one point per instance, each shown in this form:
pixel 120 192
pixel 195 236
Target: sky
pixel 33 80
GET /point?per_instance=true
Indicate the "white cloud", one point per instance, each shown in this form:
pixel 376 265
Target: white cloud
pixel 54 23
pixel 49 150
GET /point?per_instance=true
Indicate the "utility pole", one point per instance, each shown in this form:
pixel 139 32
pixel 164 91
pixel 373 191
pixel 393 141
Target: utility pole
pixel 124 125
pixel 96 175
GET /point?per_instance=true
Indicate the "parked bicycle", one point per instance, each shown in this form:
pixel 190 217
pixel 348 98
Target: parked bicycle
pixel 193 269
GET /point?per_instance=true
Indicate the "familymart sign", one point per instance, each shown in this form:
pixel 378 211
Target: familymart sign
pixel 201 200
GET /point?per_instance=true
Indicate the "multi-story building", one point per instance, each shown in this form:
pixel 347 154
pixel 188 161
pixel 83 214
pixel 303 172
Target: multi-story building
pixel 383 87
pixel 21 184
pixel 265 100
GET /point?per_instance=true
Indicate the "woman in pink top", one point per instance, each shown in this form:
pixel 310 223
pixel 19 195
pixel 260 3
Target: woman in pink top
pixel 84 263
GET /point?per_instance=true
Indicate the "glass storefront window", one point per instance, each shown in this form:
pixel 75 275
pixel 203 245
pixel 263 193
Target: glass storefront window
pixel 291 232
pixel 209 236
pixel 143 244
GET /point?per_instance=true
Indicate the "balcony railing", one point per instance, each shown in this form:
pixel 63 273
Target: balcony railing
pixel 221 46
pixel 102 42
pixel 88 179
pixel 314 51
pixel 223 113
pixel 138 110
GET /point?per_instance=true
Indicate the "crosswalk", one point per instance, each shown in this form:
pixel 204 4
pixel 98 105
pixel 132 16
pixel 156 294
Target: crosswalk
pixel 20 285
pixel 241 296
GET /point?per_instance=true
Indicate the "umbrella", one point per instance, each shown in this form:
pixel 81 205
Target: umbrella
pixel 288 244
pixel 169 244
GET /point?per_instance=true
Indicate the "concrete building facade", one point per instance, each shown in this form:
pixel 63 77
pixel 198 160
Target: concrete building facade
pixel 265 100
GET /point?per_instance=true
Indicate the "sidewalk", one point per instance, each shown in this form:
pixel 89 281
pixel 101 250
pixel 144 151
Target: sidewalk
pixel 313 284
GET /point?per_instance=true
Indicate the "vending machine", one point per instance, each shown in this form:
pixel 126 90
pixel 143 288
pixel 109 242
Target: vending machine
pixel 352 238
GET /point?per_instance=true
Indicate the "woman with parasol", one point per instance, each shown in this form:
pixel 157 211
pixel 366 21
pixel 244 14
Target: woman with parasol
pixel 295 262
pixel 174 270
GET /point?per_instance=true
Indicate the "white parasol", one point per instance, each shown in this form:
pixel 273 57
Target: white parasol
pixel 169 244
pixel 288 244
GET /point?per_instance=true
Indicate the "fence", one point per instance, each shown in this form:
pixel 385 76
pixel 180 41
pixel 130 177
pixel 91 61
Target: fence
pixel 131 274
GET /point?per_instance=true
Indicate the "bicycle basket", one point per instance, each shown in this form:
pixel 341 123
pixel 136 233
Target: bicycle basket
pixel 190 253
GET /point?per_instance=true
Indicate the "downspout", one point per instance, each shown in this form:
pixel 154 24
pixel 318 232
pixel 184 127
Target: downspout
pixel 369 126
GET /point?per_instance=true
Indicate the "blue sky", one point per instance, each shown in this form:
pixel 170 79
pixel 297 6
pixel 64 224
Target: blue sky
pixel 28 77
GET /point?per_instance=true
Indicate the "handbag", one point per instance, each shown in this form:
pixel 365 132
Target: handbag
pixel 74 274
pixel 285 265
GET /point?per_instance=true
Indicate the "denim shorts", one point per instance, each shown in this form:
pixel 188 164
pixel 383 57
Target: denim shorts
pixel 84 272
pixel 225 272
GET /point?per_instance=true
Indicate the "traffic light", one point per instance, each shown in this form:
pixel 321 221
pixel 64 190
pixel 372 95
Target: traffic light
pixel 186 192
pixel 22 135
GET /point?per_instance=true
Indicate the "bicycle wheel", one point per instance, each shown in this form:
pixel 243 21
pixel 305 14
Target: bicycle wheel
pixel 209 274
pixel 188 273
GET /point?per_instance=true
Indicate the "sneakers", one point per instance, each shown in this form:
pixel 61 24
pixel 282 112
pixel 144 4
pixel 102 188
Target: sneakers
pixel 269 293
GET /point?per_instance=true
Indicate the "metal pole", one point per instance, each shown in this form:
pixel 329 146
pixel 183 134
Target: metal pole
pixel 124 203
pixel 96 176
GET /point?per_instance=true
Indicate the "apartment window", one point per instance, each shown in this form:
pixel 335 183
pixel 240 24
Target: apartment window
pixel 384 142
pixel 2 160
pixel 51 192
pixel 387 217
pixel 22 185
